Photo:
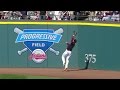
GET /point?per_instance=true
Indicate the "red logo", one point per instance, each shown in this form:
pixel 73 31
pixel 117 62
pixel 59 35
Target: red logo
pixel 37 56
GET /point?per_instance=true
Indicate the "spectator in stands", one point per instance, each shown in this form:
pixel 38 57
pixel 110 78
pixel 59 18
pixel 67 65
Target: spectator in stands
pixel 91 16
pixel 65 15
pixel 35 15
pixel 71 14
pixel 24 14
pixel 5 14
pixel 29 14
pixel 16 15
pixel 42 15
pixel 107 16
pixel 49 15
pixel 115 16
pixel 57 15
pixel 0 15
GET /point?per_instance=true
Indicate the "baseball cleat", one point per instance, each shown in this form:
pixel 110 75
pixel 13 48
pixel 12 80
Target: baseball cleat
pixel 65 69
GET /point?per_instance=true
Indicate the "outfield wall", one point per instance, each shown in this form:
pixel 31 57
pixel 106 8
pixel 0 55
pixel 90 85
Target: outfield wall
pixel 97 42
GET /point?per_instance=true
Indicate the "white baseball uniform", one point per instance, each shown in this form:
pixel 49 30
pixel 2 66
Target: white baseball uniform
pixel 66 55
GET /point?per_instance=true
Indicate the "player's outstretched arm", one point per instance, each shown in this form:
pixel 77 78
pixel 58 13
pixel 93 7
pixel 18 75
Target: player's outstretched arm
pixel 74 33
pixel 72 38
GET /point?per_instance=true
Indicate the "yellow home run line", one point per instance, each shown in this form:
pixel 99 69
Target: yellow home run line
pixel 63 23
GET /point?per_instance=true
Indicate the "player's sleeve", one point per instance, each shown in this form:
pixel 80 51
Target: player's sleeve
pixel 73 38
pixel 67 43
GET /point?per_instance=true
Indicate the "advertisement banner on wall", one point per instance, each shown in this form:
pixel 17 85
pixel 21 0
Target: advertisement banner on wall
pixel 38 42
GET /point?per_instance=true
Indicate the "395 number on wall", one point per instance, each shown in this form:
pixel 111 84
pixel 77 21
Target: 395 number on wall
pixel 91 58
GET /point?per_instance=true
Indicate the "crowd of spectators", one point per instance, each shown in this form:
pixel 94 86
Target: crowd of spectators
pixel 104 16
pixel 61 15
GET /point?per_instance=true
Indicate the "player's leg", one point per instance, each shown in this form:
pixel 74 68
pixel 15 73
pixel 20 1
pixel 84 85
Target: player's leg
pixel 67 61
pixel 63 57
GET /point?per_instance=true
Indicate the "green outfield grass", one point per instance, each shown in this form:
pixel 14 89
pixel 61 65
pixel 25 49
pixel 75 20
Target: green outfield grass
pixel 15 76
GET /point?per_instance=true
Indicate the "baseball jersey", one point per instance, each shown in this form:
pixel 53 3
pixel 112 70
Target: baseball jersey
pixel 71 45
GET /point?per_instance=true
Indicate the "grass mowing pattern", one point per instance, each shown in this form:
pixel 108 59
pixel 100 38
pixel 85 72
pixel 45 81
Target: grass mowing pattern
pixel 14 76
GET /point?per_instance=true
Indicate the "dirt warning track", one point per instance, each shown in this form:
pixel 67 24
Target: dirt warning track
pixel 71 74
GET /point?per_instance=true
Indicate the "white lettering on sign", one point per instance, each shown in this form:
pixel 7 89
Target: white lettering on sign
pixel 38 44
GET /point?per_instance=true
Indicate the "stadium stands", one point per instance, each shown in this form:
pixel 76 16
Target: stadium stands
pixel 61 15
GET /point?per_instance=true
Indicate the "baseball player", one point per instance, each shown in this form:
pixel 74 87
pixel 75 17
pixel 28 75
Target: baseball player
pixel 66 55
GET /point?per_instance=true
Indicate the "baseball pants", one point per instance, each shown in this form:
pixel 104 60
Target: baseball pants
pixel 65 58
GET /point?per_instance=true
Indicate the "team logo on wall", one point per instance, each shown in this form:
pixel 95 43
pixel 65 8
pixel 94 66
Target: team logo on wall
pixel 38 41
